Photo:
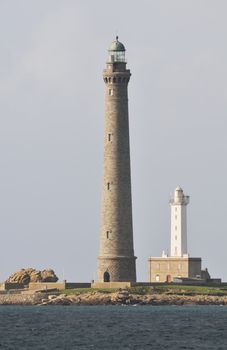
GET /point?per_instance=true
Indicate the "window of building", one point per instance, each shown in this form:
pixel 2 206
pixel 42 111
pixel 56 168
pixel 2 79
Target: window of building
pixel 109 137
pixel 157 278
pixel 107 234
pixel 110 92
pixel 108 186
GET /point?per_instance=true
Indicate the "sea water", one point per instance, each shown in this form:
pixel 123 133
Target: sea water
pixel 113 327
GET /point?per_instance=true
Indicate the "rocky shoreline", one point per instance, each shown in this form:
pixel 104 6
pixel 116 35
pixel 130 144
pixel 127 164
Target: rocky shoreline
pixel 105 298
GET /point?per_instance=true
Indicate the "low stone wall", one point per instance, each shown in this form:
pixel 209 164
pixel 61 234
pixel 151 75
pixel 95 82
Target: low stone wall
pixel 11 285
pixel 21 299
pixel 112 285
pixel 57 285
pixel 47 285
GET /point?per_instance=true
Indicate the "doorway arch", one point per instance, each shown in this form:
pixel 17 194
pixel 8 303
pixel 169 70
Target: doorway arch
pixel 106 276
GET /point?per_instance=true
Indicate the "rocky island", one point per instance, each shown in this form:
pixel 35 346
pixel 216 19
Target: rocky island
pixel 169 295
pixel 124 297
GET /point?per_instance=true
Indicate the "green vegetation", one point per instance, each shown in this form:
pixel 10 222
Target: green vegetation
pixel 159 289
pixel 76 291
pixel 179 290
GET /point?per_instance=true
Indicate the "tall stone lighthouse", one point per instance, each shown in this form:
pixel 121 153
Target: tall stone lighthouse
pixel 116 261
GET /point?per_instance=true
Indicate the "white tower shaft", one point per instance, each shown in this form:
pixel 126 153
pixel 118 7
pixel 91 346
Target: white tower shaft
pixel 179 223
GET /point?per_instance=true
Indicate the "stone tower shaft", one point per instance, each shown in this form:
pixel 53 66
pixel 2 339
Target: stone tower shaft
pixel 116 260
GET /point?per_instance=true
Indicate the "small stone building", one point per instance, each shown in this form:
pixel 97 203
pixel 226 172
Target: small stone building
pixel 165 269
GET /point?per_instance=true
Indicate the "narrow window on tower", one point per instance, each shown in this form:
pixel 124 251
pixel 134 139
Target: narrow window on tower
pixel 108 186
pixel 110 92
pixel 109 137
pixel 107 234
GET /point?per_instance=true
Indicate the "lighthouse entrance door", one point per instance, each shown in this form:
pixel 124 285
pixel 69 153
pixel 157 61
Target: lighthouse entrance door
pixel 106 277
pixel 168 279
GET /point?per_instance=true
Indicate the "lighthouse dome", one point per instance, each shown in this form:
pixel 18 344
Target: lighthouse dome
pixel 116 51
pixel 116 46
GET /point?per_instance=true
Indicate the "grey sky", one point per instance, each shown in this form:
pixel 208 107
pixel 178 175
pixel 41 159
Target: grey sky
pixel 51 128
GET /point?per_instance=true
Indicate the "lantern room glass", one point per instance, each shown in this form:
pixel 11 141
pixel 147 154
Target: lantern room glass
pixel 116 56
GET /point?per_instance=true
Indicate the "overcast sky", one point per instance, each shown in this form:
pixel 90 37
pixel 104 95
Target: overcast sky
pixel 52 55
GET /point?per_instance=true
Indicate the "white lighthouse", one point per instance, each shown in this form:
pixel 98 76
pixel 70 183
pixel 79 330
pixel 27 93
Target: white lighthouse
pixel 178 264
pixel 179 223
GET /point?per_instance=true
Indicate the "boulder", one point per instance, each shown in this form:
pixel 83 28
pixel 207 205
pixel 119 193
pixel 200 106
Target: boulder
pixel 21 276
pixel 35 276
pixel 25 276
pixel 48 276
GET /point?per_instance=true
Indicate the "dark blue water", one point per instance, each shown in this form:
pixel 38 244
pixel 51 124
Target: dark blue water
pixel 113 327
